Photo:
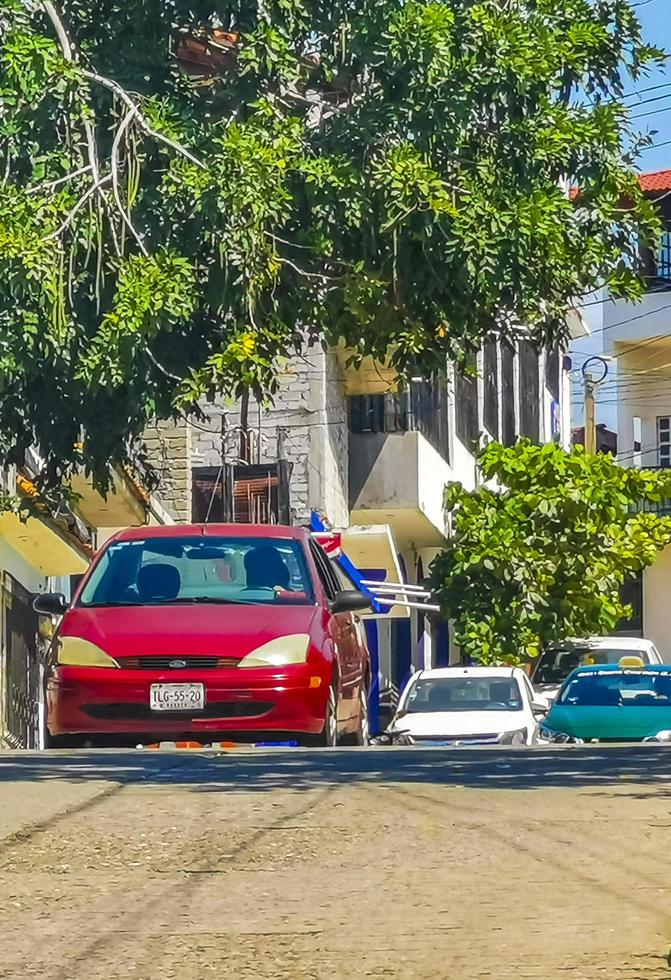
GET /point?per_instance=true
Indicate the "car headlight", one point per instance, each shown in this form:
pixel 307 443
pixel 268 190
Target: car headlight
pixel 283 650
pixel 73 651
pixel 546 734
pixel 518 737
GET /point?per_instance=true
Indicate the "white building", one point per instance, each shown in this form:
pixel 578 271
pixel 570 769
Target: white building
pixel 637 395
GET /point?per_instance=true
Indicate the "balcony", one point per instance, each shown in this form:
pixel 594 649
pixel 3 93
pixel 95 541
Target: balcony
pixel 398 478
pixel 422 407
pixel 624 322
pixel 398 462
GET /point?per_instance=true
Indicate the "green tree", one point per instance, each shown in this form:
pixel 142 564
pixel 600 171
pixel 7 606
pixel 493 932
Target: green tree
pixel 539 552
pixel 395 174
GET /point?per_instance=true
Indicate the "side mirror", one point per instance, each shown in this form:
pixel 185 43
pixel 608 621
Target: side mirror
pixel 540 708
pixel 350 600
pixel 50 604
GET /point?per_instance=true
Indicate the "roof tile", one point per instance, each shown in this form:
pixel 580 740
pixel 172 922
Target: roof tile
pixel 660 180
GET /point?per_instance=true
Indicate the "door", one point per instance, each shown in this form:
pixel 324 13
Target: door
pixel 345 640
pixel 23 673
pixel 529 699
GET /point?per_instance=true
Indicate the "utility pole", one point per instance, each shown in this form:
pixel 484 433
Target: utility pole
pixel 591 384
pixel 590 417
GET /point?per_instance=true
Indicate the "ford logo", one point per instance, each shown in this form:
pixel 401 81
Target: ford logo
pixel 177 664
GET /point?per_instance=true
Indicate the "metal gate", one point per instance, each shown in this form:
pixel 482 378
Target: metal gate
pixel 23 675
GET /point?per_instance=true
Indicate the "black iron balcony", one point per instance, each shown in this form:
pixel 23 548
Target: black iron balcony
pixel 422 408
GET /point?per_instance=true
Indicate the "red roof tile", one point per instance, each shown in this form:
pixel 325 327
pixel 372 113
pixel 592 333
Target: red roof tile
pixel 660 180
pixel 653 183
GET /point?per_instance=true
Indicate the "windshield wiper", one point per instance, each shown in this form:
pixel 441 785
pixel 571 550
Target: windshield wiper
pixel 202 600
pixel 110 605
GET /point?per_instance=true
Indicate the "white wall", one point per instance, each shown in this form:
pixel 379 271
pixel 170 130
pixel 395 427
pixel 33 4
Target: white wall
pixel 29 577
pixel 656 592
pixel 626 323
pixel 644 391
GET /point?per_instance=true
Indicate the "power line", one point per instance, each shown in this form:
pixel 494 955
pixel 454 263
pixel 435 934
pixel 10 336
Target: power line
pixel 651 112
pixel 654 146
pixel 648 88
pixel 655 98
pixel 631 319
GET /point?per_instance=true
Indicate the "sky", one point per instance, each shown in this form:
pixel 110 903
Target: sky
pixel 655 17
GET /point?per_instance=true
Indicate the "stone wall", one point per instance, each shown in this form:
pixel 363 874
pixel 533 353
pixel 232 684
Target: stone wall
pixel 169 448
pixel 306 424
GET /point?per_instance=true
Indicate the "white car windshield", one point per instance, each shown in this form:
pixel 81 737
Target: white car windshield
pixel 487 693
pixel 554 666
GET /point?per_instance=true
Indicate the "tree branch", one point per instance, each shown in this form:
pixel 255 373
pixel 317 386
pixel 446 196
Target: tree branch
pixel 135 111
pixel 164 371
pixel 114 161
pixel 61 180
pixel 93 189
pixel 69 55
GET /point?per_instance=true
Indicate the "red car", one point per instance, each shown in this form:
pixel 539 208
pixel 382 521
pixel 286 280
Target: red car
pixel 205 631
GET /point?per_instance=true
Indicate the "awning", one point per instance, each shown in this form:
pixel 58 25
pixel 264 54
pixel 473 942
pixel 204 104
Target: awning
pixel 44 546
pixel 365 552
pixel 125 505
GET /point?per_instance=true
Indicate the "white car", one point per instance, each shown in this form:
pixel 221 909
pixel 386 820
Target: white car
pixel 554 665
pixel 470 706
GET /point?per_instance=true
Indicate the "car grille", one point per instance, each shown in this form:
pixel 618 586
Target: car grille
pixel 142 712
pixel 164 663
pixel 487 737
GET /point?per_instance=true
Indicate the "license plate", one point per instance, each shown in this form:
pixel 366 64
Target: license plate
pixel 177 697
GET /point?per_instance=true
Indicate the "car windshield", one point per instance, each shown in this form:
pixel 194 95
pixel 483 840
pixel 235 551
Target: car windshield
pixel 202 569
pixel 554 666
pixel 629 689
pixel 487 693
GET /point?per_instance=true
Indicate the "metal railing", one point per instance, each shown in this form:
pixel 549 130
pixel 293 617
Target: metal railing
pixel 422 407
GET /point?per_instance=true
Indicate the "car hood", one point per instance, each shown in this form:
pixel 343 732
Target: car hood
pixel 182 631
pixel 453 723
pixel 608 722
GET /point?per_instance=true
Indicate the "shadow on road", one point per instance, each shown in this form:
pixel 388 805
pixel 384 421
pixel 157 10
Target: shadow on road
pixel 263 771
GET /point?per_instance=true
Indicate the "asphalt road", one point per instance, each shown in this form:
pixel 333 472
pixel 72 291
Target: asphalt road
pixel 413 863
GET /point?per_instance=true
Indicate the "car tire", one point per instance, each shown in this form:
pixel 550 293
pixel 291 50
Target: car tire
pixel 62 741
pixel 362 734
pixel 328 737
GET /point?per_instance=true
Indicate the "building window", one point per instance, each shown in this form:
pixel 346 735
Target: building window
pixel 508 430
pixel 664 258
pixel 528 386
pixel 245 494
pixel 664 441
pixel 210 501
pixel 490 370
pixel 466 408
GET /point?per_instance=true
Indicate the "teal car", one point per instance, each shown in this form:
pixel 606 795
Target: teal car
pixel 625 702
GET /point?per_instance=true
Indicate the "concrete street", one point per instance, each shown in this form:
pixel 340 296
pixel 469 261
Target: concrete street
pixel 548 863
